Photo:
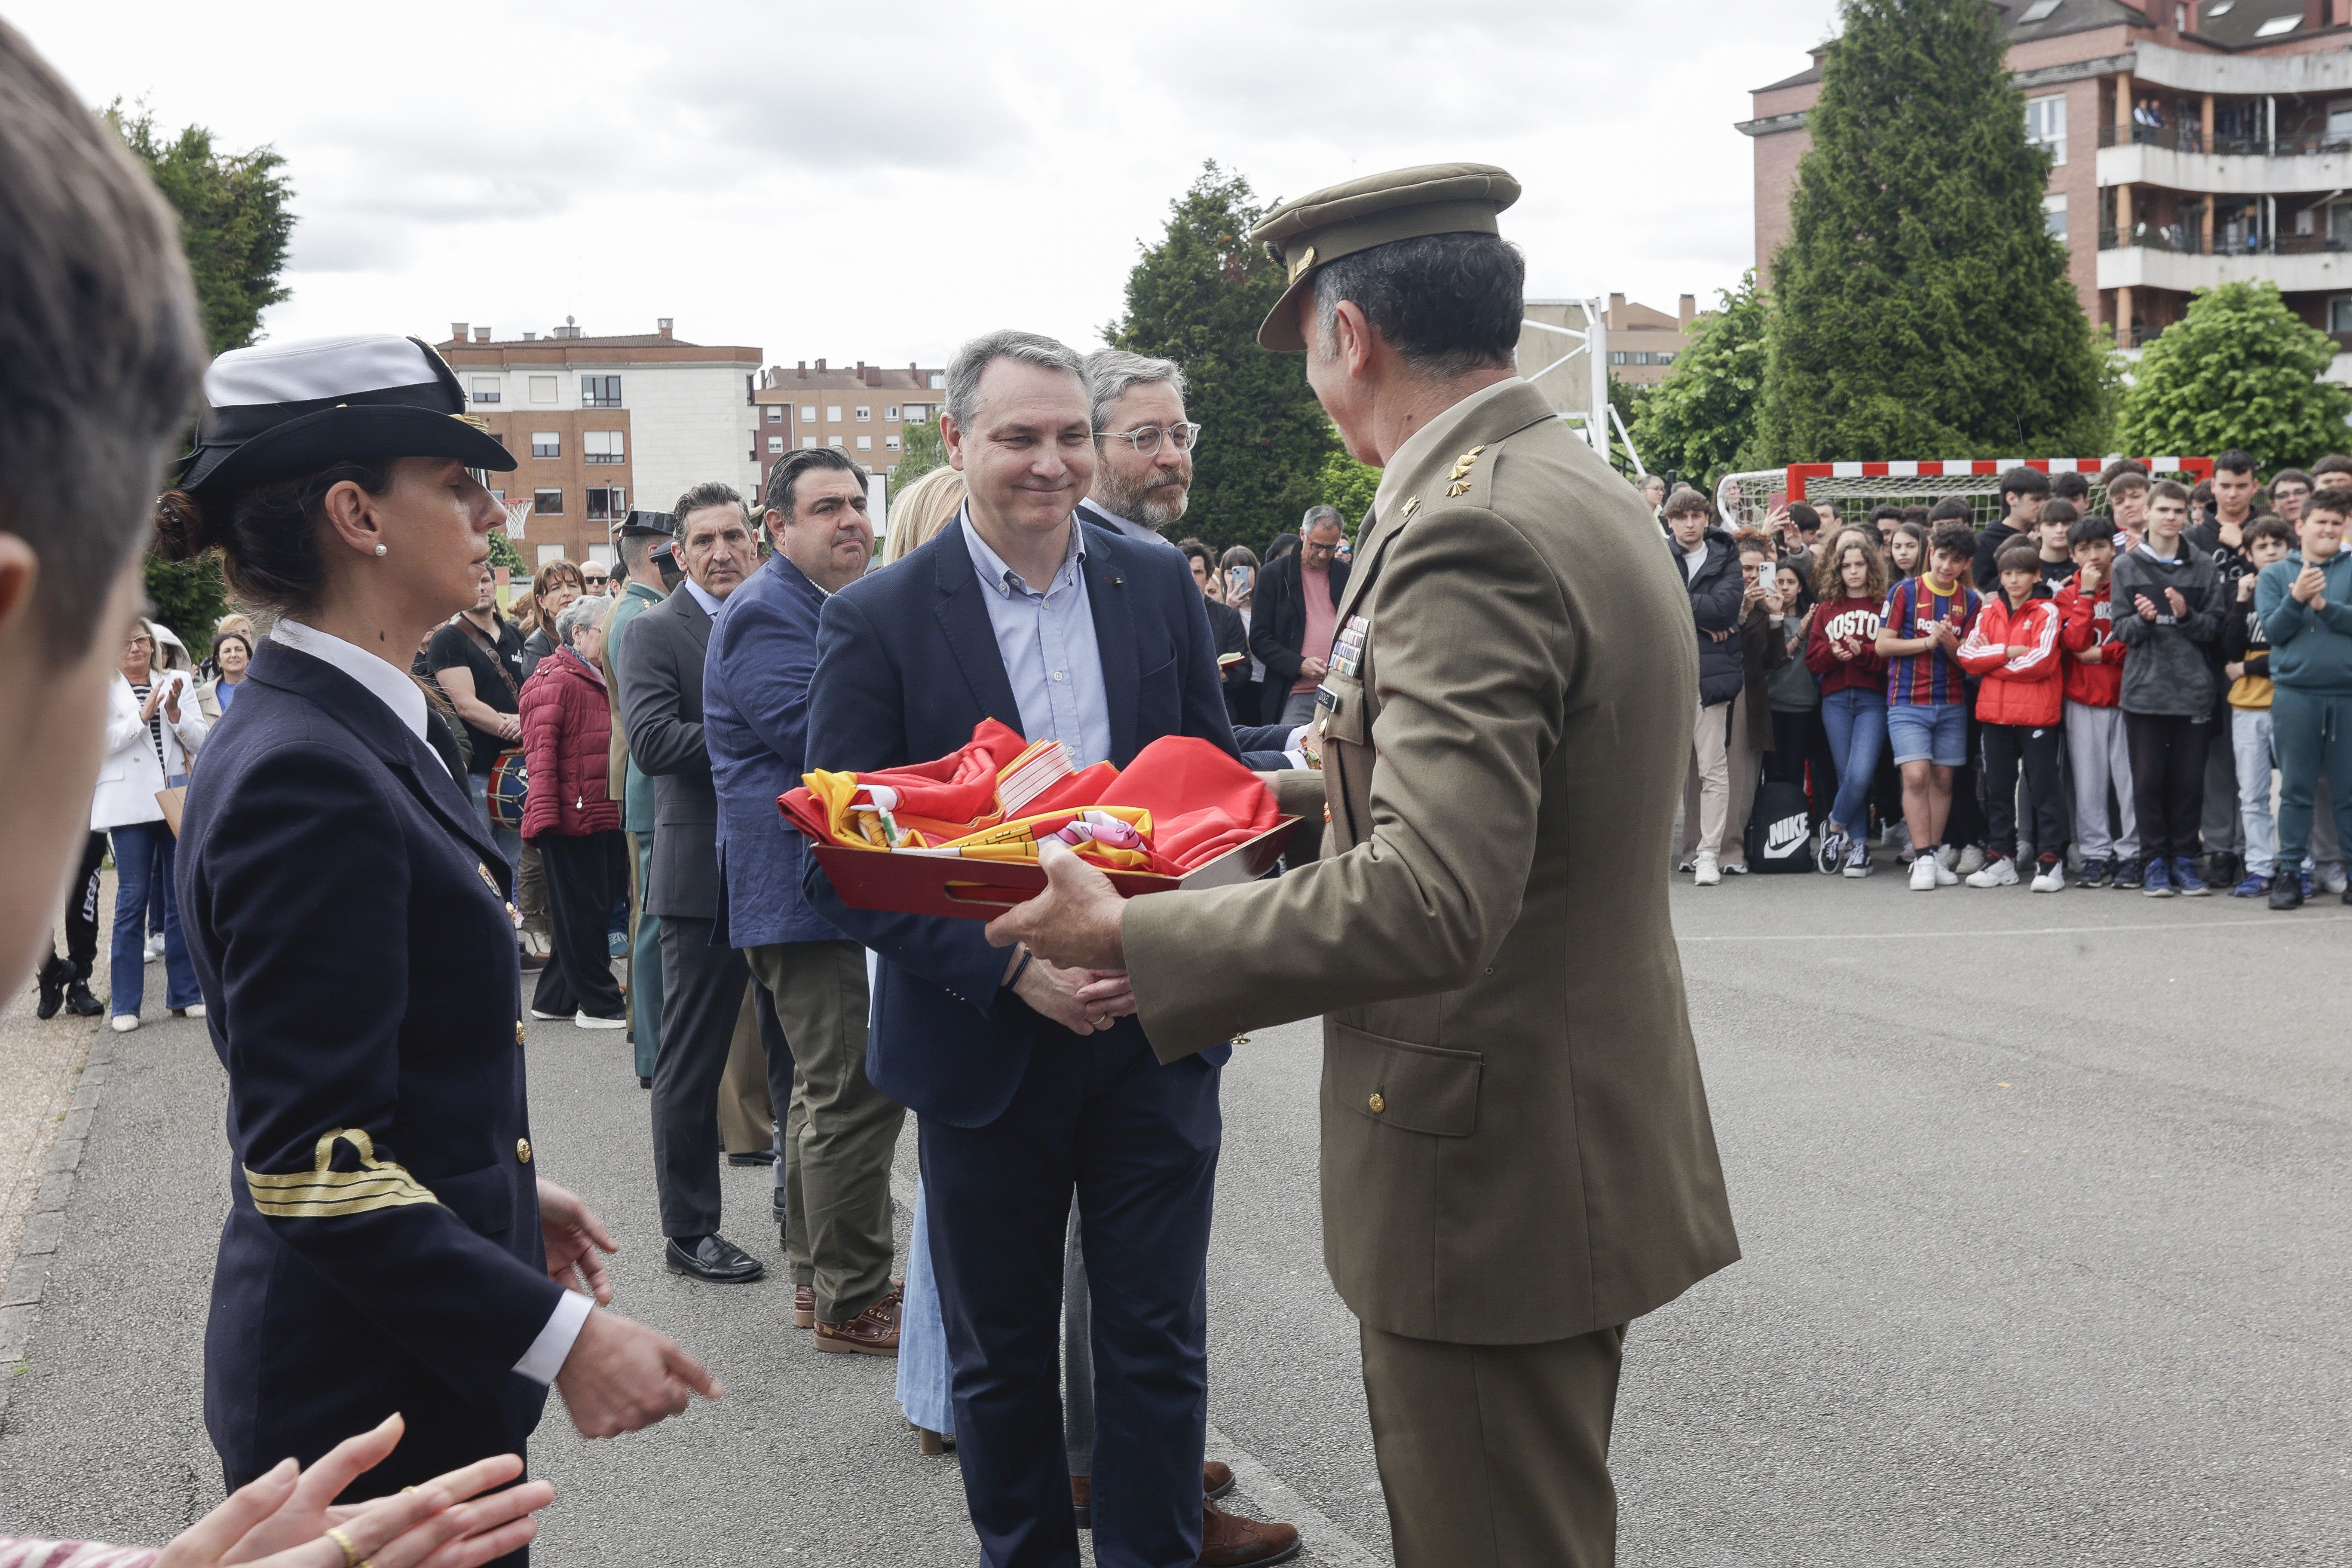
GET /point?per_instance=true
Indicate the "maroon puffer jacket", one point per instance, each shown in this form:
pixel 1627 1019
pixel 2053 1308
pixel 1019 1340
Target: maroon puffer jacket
pixel 567 730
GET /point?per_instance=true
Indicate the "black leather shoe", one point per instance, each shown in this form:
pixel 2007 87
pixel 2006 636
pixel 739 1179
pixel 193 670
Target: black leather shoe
pixel 80 1003
pixel 713 1259
pixel 52 982
pixel 644 1082
pixel 756 1157
pixel 2286 894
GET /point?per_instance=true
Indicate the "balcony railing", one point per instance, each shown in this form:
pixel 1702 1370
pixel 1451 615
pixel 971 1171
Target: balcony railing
pixel 2186 240
pixel 2192 138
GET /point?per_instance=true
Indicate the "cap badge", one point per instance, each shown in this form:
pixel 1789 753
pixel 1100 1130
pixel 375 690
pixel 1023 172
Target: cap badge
pixel 1300 263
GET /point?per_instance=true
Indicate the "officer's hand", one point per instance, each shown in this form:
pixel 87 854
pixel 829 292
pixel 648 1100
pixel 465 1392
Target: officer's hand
pixel 1075 921
pixel 574 1237
pixel 622 1377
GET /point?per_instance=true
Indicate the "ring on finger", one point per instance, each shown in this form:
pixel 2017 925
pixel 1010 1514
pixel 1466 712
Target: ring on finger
pixel 351 1558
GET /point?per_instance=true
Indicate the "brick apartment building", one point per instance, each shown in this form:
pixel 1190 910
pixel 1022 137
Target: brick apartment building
pixel 2194 142
pixel 865 410
pixel 603 424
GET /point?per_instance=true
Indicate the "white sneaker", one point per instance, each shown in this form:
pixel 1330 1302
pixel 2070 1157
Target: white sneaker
pixel 549 1018
pixel 1922 874
pixel 154 948
pixel 2053 879
pixel 1944 876
pixel 193 1010
pixel 1857 861
pixel 1971 861
pixel 1999 873
pixel 1706 873
pixel 2331 878
pixel 123 1022
pixel 590 1021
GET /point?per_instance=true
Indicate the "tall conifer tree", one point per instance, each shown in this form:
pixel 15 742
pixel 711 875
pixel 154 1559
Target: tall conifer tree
pixel 1922 309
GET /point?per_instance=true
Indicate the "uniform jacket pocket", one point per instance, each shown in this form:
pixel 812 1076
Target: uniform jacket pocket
pixel 1420 1088
pixel 484 1199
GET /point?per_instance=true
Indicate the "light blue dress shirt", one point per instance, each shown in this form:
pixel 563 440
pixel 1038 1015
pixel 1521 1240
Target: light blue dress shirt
pixel 1046 639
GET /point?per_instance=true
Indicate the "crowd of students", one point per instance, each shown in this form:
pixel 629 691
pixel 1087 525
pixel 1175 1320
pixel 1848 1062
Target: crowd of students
pixel 2152 697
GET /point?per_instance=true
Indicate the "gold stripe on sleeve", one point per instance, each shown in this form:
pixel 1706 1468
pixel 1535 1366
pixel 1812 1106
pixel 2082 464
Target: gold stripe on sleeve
pixel 323 1193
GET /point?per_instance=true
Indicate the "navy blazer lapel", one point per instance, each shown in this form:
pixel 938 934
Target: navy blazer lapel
pixel 1110 601
pixel 691 614
pixel 964 619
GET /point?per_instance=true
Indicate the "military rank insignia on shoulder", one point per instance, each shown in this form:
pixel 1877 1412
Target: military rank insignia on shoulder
pixel 1460 477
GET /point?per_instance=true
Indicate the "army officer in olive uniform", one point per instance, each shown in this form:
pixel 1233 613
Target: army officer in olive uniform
pixel 1517 1159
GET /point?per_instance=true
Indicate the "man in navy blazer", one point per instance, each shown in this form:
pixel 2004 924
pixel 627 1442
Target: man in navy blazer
pixel 840 1132
pixel 1027 1094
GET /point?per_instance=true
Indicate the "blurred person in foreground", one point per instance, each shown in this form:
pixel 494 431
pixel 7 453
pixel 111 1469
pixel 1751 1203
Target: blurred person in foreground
pixel 390 1243
pixel 98 325
pixel 567 733
pixel 1504 1186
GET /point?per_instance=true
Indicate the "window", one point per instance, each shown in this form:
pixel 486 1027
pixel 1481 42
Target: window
pixel 600 392
pixel 2053 218
pixel 603 445
pixel 498 496
pixel 1661 357
pixel 808 413
pixel 1616 356
pixel 864 413
pixel 548 552
pixel 2045 125
pixel 775 414
pixel 889 443
pixel 808 443
pixel 604 554
pixel 2339 313
pixel 834 442
pixel 542 389
pixel 486 389
pixel 775 443
pixel 1641 358
pixel 939 379
pixel 889 411
pixel 606 502
pixel 2277 25
pixel 866 443
pixel 833 413
pixel 547 503
pixel 918 413
pixel 2040 9
pixel 546 444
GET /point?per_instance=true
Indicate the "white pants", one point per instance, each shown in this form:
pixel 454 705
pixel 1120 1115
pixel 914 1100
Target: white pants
pixel 2100 757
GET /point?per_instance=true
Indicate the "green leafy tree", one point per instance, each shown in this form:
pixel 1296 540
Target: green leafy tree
pixel 504 553
pixel 1348 485
pixel 235 223
pixel 921 450
pixel 2241 369
pixel 1696 423
pixel 1922 308
pixel 1196 297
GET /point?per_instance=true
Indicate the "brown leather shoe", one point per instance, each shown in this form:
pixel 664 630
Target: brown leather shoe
pixel 1216 1478
pixel 804 1306
pixel 1228 1539
pixel 1082 1497
pixel 873 1332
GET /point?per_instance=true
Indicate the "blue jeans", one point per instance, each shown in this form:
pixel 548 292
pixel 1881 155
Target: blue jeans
pixel 923 1384
pixel 145 854
pixel 1856 722
pixel 509 842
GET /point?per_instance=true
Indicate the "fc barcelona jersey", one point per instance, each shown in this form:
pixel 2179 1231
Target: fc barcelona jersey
pixel 1931 679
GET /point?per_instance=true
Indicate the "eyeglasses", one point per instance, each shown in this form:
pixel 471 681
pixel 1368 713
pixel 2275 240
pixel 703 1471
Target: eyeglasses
pixel 1146 441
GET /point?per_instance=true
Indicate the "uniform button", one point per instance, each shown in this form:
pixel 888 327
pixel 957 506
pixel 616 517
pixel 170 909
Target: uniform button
pixel 522 1150
pixel 1377 1103
pixel 518 1031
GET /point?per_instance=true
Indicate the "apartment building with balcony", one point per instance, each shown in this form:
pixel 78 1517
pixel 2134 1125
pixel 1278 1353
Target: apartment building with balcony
pixel 599 425
pixel 2193 142
pixel 863 409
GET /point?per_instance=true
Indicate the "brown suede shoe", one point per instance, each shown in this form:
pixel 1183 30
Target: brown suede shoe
pixel 804 1306
pixel 873 1332
pixel 1228 1539
pixel 1216 1478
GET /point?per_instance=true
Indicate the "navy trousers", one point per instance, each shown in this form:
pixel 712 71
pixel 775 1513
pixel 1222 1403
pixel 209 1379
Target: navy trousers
pixel 1137 1144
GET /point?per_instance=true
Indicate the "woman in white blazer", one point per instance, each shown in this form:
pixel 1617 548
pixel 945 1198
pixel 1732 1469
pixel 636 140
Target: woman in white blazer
pixel 153 726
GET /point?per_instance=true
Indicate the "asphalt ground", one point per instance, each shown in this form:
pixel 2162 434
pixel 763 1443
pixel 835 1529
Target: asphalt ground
pixel 2043 1200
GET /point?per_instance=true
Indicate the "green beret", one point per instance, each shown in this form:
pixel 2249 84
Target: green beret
pixel 1341 220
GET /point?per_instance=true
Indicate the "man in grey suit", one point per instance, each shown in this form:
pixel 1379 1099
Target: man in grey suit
pixel 703 986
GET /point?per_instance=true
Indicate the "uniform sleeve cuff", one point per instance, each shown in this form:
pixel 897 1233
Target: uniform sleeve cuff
pixel 545 1358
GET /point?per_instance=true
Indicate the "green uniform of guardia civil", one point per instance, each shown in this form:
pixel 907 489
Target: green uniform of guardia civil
pixel 1517 1155
pixel 636 796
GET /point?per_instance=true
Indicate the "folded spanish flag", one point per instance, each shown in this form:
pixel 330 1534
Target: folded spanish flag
pixel 1180 804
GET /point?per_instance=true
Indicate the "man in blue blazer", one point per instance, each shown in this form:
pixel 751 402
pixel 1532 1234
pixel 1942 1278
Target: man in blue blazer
pixel 1017 612
pixel 841 1133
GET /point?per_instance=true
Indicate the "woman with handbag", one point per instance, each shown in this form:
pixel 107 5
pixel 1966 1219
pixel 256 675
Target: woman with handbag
pixel 153 728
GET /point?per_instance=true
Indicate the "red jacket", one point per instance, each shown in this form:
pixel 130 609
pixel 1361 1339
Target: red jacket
pixel 567 733
pixel 2086 624
pixel 2028 690
pixel 1857 621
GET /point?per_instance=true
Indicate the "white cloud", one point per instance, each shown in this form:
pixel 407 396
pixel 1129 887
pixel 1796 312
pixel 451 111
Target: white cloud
pixel 880 183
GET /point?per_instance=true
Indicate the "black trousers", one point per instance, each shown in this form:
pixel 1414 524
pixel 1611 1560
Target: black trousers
pixel 585 871
pixel 1966 824
pixel 702 995
pixel 81 915
pixel 1801 755
pixel 2005 747
pixel 2168 760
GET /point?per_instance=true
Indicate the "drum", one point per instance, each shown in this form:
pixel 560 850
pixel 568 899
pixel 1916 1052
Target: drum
pixel 510 786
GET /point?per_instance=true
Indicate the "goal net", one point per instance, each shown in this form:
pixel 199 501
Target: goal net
pixel 1849 491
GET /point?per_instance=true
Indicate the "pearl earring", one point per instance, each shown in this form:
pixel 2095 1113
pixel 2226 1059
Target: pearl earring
pixel 379 550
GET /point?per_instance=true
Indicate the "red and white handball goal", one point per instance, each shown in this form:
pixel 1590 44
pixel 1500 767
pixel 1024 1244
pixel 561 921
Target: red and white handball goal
pixel 1851 489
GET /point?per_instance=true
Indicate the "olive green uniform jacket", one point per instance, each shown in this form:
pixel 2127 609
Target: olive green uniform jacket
pixel 1515 1141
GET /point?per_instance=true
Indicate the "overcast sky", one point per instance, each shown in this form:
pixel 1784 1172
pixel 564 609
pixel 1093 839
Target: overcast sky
pixel 880 182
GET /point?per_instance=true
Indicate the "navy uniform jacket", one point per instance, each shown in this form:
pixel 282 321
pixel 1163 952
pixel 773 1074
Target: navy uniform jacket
pixel 907 665
pixel 347 920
